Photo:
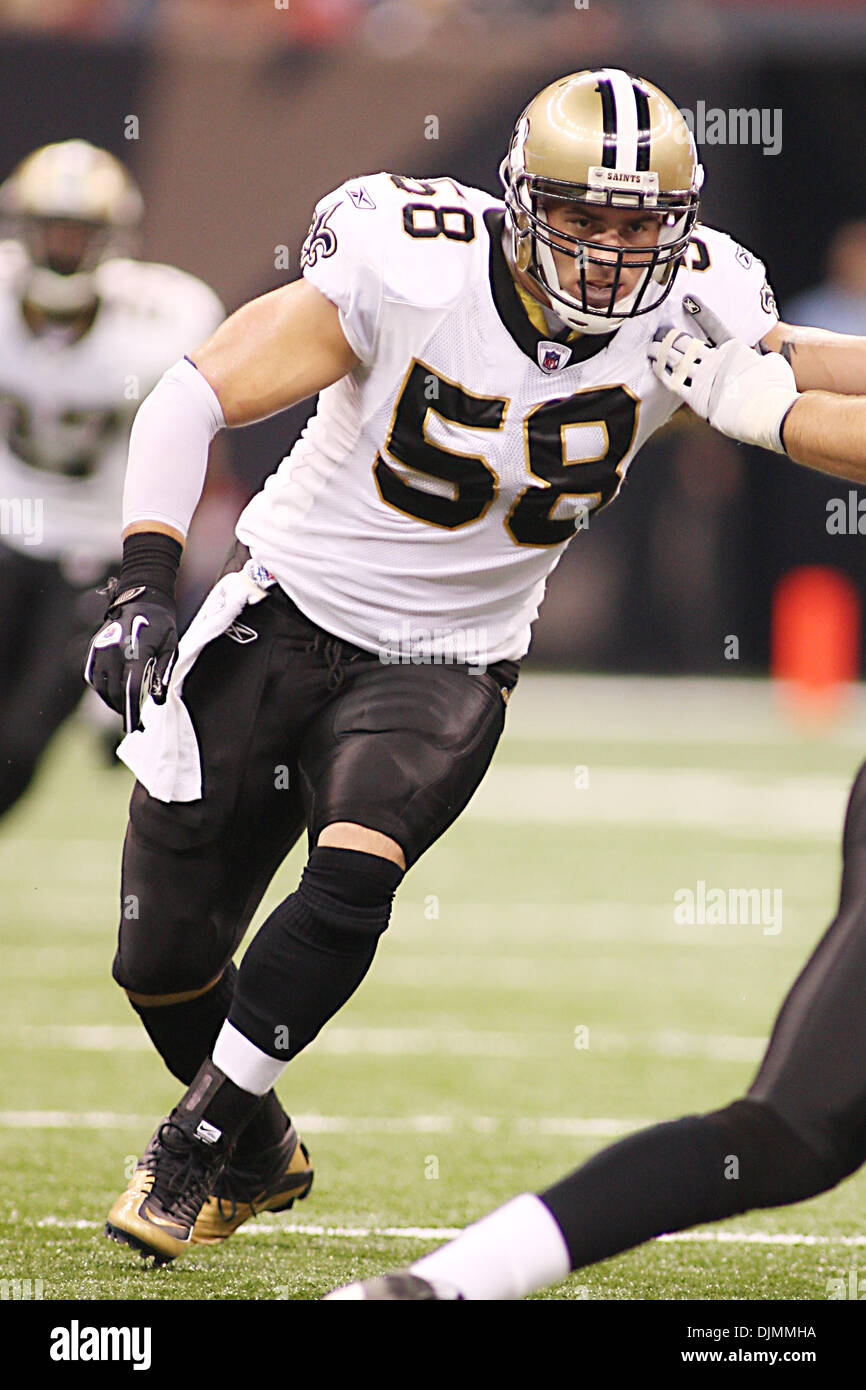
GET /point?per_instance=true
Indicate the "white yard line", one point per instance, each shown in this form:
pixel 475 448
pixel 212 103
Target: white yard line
pixel 699 799
pixel 268 1228
pixel 421 1042
pixel 340 1124
pixel 743 804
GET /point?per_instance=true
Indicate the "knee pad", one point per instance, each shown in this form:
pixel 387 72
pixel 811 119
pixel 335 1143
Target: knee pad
pixel 311 954
pixel 154 957
pixel 348 896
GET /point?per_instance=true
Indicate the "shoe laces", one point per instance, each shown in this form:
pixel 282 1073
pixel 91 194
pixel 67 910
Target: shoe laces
pixel 183 1172
pixel 235 1187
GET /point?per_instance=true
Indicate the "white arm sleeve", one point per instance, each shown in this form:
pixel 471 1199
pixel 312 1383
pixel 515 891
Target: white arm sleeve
pixel 168 448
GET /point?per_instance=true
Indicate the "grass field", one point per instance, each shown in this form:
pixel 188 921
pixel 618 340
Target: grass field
pixel 533 998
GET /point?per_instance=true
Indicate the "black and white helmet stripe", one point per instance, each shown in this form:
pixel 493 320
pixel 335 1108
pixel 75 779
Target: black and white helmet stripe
pixel 626 119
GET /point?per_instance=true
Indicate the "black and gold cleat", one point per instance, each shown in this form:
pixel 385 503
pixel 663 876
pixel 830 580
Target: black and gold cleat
pixel 280 1176
pixel 157 1212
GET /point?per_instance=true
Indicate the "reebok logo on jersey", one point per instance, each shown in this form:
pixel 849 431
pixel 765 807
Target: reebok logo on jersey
pixel 552 356
pixel 360 197
pixel 239 632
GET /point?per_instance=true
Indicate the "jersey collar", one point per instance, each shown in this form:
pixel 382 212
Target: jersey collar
pixel 514 316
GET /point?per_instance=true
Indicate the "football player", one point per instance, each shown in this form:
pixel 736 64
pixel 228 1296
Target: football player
pixel 485 384
pixel 85 333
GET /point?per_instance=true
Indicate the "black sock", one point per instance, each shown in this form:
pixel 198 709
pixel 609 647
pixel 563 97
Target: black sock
pixel 264 1130
pixel 314 950
pixel 184 1036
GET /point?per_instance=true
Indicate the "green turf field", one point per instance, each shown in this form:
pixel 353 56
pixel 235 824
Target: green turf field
pixel 533 999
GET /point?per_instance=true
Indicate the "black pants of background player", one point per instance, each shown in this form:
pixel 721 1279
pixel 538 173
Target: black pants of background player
pixel 46 623
pixel 799 1130
pixel 297 730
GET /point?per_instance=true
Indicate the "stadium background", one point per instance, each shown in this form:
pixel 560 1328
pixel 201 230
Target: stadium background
pixel 514 932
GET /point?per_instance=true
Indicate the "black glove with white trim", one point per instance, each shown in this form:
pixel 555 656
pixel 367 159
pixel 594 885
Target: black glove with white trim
pixel 132 654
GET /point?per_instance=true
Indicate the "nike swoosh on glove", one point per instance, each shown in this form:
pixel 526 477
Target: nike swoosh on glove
pixel 741 392
pixel 132 654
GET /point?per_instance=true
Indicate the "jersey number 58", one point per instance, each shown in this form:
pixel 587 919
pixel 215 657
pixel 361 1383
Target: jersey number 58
pixel 467 484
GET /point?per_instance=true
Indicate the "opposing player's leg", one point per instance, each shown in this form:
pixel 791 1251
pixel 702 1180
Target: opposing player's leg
pixel 800 1129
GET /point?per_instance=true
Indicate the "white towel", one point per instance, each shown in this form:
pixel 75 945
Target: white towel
pixel 165 755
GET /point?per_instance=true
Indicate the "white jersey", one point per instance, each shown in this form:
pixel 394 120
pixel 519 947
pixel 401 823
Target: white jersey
pixel 66 408
pixel 438 484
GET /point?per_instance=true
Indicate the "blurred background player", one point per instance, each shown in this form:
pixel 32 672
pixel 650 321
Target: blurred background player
pixel 85 333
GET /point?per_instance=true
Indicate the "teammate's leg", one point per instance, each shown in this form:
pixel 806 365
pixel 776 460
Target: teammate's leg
pixel 43 622
pixel 800 1129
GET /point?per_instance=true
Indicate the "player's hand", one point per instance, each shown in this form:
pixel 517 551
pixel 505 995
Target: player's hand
pixel 132 654
pixel 741 392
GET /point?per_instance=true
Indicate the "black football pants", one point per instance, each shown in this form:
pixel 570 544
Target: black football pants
pixel 296 730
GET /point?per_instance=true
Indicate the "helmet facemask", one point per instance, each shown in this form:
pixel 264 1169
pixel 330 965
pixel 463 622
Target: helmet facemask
pixel 534 241
pixel 63 255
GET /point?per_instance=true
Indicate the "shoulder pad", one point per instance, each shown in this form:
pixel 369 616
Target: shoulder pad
pixel 731 280
pixel 388 236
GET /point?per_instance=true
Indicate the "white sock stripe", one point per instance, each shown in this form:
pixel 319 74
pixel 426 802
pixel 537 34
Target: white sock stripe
pixel 244 1063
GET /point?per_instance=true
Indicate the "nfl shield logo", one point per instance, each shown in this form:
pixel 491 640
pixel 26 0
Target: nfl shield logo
pixel 552 356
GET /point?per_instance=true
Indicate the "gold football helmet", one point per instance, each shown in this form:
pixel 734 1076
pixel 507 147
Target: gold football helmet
pixel 601 138
pixel 71 206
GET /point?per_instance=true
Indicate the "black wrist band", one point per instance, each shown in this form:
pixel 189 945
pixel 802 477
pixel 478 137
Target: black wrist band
pixel 152 559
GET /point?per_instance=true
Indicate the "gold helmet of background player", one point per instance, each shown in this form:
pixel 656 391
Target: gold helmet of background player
pixel 71 206
pixel 602 138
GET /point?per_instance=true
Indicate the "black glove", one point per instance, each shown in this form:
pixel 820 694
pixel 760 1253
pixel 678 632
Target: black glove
pixel 132 654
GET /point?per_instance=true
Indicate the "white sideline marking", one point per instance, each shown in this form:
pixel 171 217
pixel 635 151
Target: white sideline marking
pixel 397 1042
pixel 266 1228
